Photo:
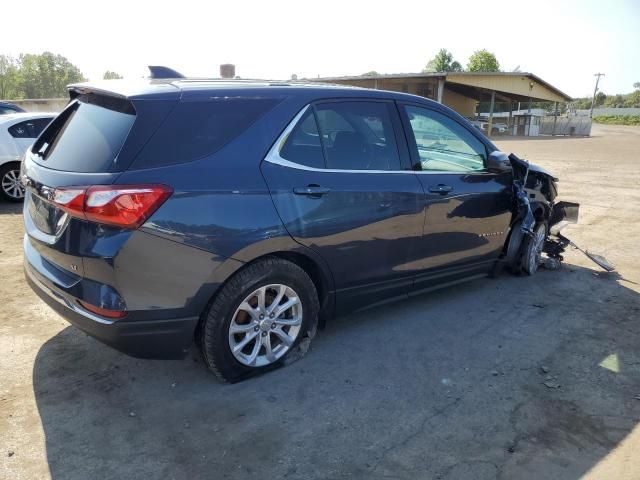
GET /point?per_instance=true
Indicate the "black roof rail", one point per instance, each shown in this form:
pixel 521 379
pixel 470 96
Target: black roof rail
pixel 158 71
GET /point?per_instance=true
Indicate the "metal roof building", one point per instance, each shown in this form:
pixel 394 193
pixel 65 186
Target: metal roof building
pixel 462 90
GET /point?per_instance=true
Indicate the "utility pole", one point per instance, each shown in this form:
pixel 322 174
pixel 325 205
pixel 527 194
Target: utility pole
pixel 595 90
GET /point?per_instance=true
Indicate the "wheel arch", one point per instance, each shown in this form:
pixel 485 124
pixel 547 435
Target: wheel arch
pixel 320 277
pixel 310 263
pixel 4 163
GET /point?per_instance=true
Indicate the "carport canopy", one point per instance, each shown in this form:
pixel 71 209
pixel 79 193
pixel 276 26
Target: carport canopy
pixel 462 90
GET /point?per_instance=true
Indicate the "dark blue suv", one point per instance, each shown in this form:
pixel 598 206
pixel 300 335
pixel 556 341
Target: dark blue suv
pixel 243 214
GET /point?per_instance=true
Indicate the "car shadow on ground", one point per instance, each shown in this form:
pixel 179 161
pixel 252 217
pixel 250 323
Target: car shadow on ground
pixel 494 378
pixel 10 208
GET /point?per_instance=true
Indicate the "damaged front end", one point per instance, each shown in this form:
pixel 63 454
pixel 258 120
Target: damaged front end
pixel 534 191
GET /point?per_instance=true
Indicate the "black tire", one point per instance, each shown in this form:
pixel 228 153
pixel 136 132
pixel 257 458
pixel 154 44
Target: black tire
pixel 527 264
pixel 5 171
pixel 213 337
pixel 514 248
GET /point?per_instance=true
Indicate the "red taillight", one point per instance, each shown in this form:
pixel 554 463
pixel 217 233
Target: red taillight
pixel 70 199
pixel 126 206
pixel 103 312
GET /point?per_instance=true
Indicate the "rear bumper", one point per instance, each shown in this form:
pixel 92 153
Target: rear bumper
pixel 166 338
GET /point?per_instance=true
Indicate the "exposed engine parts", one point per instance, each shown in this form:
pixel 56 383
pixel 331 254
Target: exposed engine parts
pixel 532 235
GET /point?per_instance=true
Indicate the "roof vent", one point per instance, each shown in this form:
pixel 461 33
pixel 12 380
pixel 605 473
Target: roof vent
pixel 157 71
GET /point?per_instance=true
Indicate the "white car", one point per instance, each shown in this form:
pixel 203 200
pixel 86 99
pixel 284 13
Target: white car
pixel 18 131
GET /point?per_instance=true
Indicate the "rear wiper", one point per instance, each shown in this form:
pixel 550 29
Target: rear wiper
pixel 42 150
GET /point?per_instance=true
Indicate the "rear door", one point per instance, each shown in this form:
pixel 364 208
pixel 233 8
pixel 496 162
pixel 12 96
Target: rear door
pixel 341 182
pixel 468 208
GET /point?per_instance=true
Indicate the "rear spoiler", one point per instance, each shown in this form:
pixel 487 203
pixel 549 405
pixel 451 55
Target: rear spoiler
pixel 158 85
pixel 160 89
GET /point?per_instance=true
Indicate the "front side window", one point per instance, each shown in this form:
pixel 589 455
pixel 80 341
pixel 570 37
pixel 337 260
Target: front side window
pixel 357 136
pixel 442 144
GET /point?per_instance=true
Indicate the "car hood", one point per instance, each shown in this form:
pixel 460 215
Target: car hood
pixel 538 169
pixel 532 167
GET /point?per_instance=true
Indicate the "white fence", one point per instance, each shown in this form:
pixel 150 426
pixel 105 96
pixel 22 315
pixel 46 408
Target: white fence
pixel 626 111
pixel 580 126
pixel 42 104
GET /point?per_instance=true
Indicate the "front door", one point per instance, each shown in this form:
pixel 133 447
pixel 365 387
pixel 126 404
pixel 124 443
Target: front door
pixel 468 209
pixel 342 185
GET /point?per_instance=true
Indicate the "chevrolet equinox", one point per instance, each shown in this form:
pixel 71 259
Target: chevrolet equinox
pixel 241 214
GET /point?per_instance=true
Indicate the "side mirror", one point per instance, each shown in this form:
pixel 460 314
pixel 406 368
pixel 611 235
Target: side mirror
pixel 498 162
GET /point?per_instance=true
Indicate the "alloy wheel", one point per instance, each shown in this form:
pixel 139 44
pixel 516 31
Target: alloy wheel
pixel 12 186
pixel 265 325
pixel 534 254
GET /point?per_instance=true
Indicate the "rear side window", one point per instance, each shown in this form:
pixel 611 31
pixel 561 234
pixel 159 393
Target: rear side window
pixel 195 129
pixel 346 135
pixel 29 128
pixel 358 136
pixel 87 135
pixel 303 145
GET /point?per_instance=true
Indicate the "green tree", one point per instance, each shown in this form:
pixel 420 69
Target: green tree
pixel 443 62
pixel 10 87
pixel 483 61
pixel 370 73
pixel 601 98
pixel 636 85
pixel 109 75
pixel 47 75
pixel 615 101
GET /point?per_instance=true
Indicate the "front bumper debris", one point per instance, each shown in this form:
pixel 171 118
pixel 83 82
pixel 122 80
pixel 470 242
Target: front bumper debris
pixel 556 244
pixel 563 214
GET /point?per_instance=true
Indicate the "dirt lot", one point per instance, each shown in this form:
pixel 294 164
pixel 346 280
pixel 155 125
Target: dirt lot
pixel 448 385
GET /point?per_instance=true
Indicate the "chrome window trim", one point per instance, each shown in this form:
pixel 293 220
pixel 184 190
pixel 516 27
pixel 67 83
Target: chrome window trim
pixel 273 156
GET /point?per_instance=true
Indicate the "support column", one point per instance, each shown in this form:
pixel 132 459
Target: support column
pixel 510 129
pixel 440 89
pixel 555 116
pixel 490 123
pixel 375 83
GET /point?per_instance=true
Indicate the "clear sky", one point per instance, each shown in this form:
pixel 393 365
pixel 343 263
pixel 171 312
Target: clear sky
pixel 564 42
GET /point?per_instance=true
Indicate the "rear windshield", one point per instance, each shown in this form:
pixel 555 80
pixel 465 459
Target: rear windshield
pixel 196 128
pixel 87 135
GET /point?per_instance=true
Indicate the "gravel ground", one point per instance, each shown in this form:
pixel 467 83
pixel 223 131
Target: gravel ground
pixel 507 378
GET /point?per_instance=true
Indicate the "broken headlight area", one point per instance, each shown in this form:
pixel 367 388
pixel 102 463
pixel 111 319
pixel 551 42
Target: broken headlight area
pixel 562 214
